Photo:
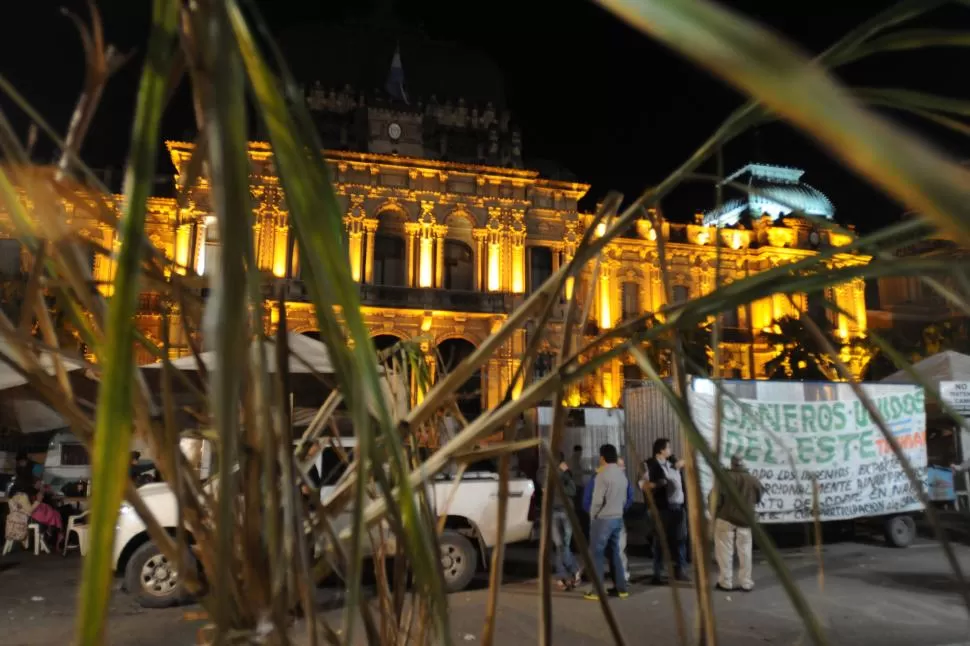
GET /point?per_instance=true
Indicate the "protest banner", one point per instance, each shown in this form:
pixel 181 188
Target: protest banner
pixel 790 445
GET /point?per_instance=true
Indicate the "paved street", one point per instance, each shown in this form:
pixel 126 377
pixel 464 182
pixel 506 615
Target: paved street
pixel 872 595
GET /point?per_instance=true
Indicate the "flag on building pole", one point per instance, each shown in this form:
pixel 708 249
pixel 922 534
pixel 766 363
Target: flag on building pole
pixel 395 77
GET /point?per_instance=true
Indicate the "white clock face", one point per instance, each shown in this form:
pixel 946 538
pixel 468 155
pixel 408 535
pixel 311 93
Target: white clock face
pixel 394 131
pixel 813 237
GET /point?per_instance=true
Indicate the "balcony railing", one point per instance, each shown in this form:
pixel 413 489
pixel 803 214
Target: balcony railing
pixel 418 298
pixel 439 299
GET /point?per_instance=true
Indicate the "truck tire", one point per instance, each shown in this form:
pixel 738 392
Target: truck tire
pixel 152 580
pixel 900 531
pixel 459 561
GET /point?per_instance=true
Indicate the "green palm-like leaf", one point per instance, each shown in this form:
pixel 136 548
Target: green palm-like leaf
pixel 114 415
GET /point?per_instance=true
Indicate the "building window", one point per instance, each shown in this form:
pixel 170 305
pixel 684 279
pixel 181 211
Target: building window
pixel 631 300
pixel 632 372
pixel 459 266
pixel 729 318
pixel 389 265
pixel 872 294
pixel 816 308
pixel 540 266
pixel 209 257
pixel 681 294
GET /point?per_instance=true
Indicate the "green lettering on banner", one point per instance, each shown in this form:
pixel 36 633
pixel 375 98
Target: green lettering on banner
pixel 751 454
pixel 826 449
pixel 770 451
pixel 734 443
pixel 808 418
pixel 896 408
pixel 838 415
pixel 847 441
pixel 867 445
pixel 790 413
pixel 861 415
pixel 805 447
pixel 824 417
pixel 769 421
pixel 907 404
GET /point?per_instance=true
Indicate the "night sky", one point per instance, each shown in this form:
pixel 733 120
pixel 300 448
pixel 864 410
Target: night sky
pixel 604 101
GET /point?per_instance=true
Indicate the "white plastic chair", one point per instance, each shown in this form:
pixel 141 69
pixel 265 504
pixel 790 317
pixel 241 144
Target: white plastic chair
pixel 39 544
pixel 80 529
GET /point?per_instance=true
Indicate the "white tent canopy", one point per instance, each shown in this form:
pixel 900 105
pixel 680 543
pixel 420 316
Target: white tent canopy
pixel 306 355
pixel 10 378
pixel 943 366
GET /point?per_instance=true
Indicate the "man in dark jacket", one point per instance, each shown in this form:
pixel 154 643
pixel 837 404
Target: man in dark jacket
pixel 731 528
pixel 562 529
pixel 662 481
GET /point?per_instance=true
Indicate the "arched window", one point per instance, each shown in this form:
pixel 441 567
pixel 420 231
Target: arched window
pixel 459 266
pixel 389 262
pixel 451 352
pixel 631 300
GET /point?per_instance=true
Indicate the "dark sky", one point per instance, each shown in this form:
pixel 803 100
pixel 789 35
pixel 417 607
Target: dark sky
pixel 601 99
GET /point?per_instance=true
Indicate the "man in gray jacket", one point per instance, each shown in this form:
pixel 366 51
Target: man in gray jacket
pixel 606 519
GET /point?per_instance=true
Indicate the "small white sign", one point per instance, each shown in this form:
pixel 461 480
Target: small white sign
pixel 956 394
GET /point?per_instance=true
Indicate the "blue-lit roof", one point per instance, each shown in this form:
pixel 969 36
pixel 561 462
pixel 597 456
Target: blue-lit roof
pixel 779 192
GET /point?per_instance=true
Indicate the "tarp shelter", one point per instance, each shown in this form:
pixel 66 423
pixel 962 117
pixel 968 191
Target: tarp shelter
pixel 943 366
pixel 20 410
pixel 946 442
pixel 11 378
pixel 306 356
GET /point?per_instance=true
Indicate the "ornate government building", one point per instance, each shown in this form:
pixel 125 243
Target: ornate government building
pixel 448 228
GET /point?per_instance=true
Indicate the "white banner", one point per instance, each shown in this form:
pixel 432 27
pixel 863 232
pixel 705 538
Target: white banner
pixel 789 444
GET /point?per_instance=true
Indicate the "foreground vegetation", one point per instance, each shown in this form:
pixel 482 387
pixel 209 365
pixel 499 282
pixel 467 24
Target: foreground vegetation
pixel 248 535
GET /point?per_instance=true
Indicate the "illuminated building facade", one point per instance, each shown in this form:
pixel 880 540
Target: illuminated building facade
pixel 448 230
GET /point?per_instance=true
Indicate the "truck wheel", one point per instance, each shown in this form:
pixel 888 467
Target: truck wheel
pixel 458 561
pixel 900 531
pixel 152 579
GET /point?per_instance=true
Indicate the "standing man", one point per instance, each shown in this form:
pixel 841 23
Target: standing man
pixel 731 528
pixel 606 519
pixel 663 483
pixel 588 503
pixel 562 530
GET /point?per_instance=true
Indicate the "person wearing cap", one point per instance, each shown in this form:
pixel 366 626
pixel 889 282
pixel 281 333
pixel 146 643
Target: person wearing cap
pixel 731 528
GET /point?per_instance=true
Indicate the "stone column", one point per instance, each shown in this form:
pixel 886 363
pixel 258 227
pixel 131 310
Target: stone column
pixel 440 231
pixel 104 268
pixel 411 230
pixel 258 241
pixel 280 243
pixel 370 229
pixel 517 235
pixel 183 247
pixel 480 257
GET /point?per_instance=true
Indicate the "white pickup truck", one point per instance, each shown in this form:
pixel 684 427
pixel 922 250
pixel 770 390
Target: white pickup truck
pixel 471 529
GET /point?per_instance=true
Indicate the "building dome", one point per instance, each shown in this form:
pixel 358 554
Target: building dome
pixel 776 192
